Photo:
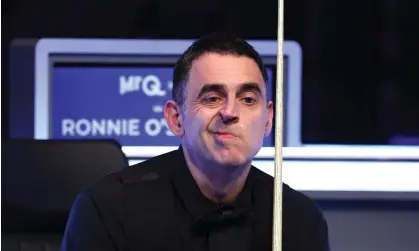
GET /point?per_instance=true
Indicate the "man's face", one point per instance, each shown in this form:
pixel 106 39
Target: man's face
pixel 226 114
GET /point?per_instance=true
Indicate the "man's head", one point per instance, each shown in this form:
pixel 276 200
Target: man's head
pixel 220 108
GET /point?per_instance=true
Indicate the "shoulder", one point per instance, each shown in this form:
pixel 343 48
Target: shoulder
pixel 100 212
pixel 153 170
pixel 303 220
pixel 295 203
pixel 300 205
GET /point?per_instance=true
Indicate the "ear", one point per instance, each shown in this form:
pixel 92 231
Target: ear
pixel 173 116
pixel 269 121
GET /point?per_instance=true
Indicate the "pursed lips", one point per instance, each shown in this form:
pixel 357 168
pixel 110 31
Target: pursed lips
pixel 224 134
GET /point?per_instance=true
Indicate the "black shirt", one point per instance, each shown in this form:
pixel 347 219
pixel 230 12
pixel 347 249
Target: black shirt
pixel 157 205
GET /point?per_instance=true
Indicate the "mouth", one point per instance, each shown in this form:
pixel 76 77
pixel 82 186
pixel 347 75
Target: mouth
pixel 224 135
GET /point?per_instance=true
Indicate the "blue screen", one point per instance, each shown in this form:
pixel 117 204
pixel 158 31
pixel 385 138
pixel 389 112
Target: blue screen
pixel 121 102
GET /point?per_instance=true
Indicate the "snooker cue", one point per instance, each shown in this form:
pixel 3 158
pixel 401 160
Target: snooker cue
pixel 277 209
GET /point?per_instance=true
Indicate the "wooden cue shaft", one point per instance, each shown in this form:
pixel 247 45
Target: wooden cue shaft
pixel 277 210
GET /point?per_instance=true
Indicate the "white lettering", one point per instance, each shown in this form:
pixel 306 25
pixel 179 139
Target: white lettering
pixel 134 127
pixel 151 86
pixel 98 128
pixel 170 85
pixel 103 127
pixel 129 84
pixel 152 127
pixel 83 127
pixel 157 108
pixel 113 127
pixel 124 127
pixel 67 127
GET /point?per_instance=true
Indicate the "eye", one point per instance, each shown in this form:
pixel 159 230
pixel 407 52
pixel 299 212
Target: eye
pixel 249 100
pixel 211 99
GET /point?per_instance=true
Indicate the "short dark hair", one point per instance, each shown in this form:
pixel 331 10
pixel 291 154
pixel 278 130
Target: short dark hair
pixel 221 43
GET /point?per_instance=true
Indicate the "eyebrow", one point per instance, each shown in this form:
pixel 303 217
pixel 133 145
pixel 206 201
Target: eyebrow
pixel 218 88
pixel 250 87
pixel 221 88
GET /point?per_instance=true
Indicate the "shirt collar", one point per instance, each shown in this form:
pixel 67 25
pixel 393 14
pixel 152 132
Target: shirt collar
pixel 195 202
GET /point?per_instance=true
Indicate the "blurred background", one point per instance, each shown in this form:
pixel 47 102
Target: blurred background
pixel 360 78
pixel 352 98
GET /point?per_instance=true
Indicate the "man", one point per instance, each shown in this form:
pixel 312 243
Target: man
pixel 206 195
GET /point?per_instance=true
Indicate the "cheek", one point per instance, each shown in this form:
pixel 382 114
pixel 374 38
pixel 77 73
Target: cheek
pixel 196 122
pixel 195 125
pixel 257 127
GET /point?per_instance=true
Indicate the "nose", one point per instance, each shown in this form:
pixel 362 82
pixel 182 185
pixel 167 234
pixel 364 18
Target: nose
pixel 230 112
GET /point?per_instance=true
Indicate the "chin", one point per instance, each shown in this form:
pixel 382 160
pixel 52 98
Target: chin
pixel 233 163
pixel 231 158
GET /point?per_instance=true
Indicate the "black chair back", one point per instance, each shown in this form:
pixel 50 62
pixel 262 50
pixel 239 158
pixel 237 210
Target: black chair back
pixel 40 181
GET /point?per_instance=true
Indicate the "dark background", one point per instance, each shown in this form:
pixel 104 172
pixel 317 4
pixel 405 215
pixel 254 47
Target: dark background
pixel 360 79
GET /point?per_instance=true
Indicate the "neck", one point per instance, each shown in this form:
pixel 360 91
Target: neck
pixel 221 184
